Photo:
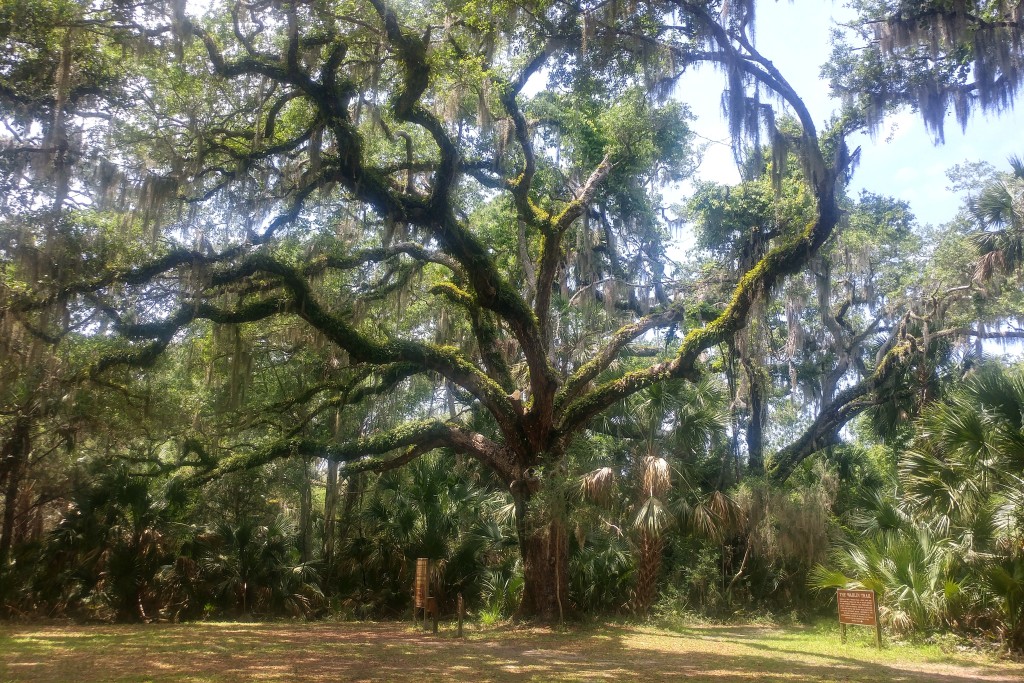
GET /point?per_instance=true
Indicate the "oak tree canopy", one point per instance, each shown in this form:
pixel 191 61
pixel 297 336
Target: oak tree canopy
pixel 420 225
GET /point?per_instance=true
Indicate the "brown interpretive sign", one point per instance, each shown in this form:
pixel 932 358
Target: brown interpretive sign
pixel 859 607
pixel 420 588
pixel 856 607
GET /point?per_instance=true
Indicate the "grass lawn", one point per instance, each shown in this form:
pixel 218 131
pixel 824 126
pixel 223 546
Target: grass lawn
pixel 398 652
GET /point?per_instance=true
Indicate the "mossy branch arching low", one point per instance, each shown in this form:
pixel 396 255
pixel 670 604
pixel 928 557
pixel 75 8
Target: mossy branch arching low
pixel 367 454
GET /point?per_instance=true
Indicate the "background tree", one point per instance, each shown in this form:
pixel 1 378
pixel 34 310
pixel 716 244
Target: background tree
pixel 930 55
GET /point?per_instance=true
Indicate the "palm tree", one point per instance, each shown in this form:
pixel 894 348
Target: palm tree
pixel 253 567
pixel 999 211
pixel 673 424
pixel 433 508
pixel 651 521
pixel 954 553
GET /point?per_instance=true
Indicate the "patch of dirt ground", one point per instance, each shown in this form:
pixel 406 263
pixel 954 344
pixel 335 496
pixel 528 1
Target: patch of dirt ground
pixel 324 652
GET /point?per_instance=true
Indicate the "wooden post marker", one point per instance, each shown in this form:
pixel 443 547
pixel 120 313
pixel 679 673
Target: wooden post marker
pixel 461 608
pixel 421 595
pixel 432 609
pixel 421 588
pixel 859 608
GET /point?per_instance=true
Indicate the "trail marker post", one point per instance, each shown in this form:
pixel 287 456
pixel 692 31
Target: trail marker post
pixel 421 589
pixel 461 607
pixel 860 608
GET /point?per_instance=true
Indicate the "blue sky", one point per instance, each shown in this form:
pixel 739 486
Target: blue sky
pixel 901 160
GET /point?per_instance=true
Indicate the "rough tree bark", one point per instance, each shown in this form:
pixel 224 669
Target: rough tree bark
pixel 14 458
pixel 544 547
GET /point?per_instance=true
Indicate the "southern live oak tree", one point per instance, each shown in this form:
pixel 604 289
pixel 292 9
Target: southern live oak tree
pixel 324 163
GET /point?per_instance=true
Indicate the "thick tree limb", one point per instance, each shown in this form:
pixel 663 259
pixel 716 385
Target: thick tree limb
pixel 551 251
pixel 824 431
pixel 366 453
pixel 779 262
pixel 849 403
pixel 578 381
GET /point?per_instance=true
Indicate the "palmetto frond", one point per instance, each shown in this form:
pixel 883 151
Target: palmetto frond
pixel 1017 166
pixel 822 578
pixel 657 475
pixel 998 205
pixel 1004 581
pixel 652 517
pixel 598 485
pixel 712 516
pixel 880 515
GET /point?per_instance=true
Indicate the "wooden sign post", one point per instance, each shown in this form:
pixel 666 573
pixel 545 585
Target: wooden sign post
pixel 859 608
pixel 462 611
pixel 421 588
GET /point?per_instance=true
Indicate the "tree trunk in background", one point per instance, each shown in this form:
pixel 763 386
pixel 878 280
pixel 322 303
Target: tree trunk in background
pixel 330 521
pixel 732 379
pixel 10 498
pixel 13 457
pixel 306 514
pixel 352 492
pixel 755 427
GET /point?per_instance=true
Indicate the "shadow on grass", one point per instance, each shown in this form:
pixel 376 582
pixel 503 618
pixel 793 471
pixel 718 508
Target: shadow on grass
pixel 394 652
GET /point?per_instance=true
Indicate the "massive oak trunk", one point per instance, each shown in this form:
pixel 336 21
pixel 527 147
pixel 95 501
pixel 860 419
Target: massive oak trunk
pixel 544 545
